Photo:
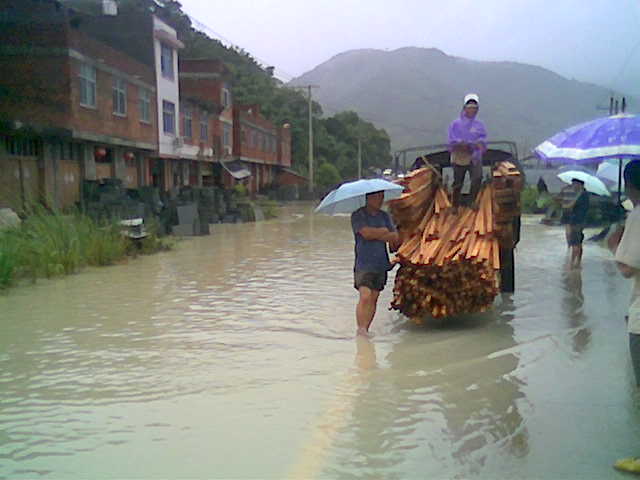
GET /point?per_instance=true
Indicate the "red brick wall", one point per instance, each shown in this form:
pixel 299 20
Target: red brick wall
pixel 34 88
pixel 286 178
pixel 101 120
pixel 284 147
pixel 249 130
pixel 43 88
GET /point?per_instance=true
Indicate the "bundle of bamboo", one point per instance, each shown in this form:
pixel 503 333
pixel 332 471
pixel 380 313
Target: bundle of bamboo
pixel 449 257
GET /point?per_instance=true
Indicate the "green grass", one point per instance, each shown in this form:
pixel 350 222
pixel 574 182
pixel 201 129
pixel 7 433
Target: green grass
pixel 270 208
pixel 47 244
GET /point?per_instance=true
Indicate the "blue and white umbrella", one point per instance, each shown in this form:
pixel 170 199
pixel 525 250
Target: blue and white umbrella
pixel 350 196
pixel 617 136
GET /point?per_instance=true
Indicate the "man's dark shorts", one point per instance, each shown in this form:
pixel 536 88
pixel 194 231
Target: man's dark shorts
pixel 634 347
pixel 576 237
pixel 372 280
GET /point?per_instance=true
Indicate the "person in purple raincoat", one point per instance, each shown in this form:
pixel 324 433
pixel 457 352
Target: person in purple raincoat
pixel 467 144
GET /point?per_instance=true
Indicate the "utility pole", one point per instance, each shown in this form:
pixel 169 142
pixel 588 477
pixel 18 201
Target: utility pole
pixel 359 156
pixel 309 87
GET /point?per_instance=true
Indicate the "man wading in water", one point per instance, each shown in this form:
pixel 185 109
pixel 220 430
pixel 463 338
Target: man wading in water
pixel 372 229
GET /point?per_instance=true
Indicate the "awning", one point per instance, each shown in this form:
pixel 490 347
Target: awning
pixel 236 169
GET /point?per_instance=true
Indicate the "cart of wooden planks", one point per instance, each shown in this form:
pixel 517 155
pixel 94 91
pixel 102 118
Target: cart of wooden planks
pixel 455 259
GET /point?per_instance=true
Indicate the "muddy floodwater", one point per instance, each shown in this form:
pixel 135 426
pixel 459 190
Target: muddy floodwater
pixel 234 356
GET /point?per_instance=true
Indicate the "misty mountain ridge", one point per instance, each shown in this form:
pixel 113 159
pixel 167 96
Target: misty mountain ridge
pixel 414 93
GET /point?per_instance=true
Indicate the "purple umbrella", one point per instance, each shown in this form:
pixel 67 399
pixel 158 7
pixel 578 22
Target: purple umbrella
pixel 609 137
pixel 617 136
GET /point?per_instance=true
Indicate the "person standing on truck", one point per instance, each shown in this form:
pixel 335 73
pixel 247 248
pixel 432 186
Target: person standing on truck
pixel 467 144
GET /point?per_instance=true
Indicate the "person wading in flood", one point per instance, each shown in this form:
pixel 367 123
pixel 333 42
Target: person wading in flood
pixel 372 229
pixel 577 217
pixel 467 143
pixel 625 244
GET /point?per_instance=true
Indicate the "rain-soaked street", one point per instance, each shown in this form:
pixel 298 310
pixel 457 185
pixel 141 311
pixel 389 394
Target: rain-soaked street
pixel 234 356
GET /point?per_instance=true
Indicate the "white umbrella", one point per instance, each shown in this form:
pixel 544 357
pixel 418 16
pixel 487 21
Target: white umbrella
pixel 591 183
pixel 350 196
pixel 609 170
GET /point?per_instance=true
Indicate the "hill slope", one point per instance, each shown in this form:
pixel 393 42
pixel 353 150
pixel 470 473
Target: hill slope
pixel 414 93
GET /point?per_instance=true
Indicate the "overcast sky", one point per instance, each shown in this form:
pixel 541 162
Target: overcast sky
pixel 590 40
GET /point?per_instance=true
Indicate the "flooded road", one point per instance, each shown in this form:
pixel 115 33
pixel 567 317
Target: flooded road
pixel 234 357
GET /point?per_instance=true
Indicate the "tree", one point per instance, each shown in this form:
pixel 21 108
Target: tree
pixel 328 176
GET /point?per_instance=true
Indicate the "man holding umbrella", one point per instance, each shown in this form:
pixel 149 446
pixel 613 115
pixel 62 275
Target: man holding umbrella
pixel 373 230
pixel 576 217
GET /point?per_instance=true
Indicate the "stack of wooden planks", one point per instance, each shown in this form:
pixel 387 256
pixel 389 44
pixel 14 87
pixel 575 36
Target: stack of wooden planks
pixel 507 186
pixel 449 257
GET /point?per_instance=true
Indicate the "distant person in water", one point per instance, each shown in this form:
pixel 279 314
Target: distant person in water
pixel 467 144
pixel 576 220
pixel 542 186
pixel 373 230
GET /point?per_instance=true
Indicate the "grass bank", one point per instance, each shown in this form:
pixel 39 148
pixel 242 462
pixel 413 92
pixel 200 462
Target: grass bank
pixel 48 244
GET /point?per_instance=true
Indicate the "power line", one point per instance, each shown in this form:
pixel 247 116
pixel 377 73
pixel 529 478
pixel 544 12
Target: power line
pixel 229 43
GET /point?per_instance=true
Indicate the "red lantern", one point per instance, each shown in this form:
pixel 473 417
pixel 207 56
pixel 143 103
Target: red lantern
pixel 100 152
pixel 129 156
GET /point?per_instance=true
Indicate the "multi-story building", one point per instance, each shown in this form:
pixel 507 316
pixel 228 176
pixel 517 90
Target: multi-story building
pixel 207 118
pixel 72 107
pixel 153 42
pixel 263 147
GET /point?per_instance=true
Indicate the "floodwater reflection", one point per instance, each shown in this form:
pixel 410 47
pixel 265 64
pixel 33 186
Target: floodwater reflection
pixel 573 308
pixel 445 403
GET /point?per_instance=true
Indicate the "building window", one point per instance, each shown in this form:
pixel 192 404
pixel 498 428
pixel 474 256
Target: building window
pixel 188 123
pixel 204 127
pixel 168 117
pixel 145 104
pixel 119 97
pixel 20 147
pixel 87 85
pixel 166 61
pixel 226 135
pixel 226 98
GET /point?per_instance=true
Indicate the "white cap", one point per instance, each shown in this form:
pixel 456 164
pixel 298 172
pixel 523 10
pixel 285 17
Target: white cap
pixel 471 96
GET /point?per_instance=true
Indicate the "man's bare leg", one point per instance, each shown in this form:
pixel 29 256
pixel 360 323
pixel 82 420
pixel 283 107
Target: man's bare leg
pixel 366 308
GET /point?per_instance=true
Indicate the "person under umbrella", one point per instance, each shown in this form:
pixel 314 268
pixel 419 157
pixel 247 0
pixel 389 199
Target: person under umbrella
pixel 576 218
pixel 372 230
pixel 467 143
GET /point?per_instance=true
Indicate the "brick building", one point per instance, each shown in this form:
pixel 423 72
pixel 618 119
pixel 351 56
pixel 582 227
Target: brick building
pixel 71 107
pixel 154 43
pixel 261 146
pixel 207 118
pixel 98 96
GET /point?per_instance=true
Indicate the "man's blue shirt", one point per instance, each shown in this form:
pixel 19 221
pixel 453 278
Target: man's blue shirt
pixel 371 255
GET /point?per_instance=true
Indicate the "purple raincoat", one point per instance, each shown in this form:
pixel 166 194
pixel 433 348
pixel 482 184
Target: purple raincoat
pixel 470 131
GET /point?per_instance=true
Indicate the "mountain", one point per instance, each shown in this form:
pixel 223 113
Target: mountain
pixel 414 93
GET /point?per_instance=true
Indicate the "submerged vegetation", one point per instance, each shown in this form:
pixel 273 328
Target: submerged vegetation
pixel 47 244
